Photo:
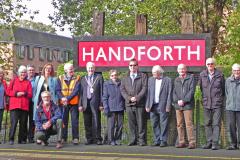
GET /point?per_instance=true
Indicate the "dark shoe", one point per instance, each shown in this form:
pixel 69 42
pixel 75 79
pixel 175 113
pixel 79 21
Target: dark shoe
pixel 11 142
pixel 232 147
pixel 132 144
pixel 181 145
pixel 155 144
pixel 192 146
pixel 59 145
pixel 99 142
pixel 207 146
pixel 30 141
pixel 163 144
pixel 215 146
pixel 22 142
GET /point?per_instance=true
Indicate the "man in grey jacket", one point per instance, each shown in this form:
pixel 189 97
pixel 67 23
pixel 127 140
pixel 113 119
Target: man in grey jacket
pixel 159 104
pixel 212 84
pixel 133 89
pixel 233 107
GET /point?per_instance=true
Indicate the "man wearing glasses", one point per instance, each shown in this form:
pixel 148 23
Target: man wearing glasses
pixel 133 89
pixel 212 85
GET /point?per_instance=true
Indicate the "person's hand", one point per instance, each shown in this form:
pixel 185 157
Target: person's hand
pixel 44 126
pixel 148 109
pixel 133 99
pixel 48 124
pixel 168 109
pixel 80 109
pixel 64 101
pixel 181 103
pixel 101 108
pixel 19 94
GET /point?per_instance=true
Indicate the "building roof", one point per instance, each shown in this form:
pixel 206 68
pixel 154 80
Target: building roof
pixel 36 38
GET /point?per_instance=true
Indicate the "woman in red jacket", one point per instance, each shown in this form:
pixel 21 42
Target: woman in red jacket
pixel 20 91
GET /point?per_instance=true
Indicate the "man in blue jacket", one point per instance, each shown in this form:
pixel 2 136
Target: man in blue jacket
pixel 48 120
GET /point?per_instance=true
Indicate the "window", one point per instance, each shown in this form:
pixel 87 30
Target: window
pixel 42 54
pixel 30 53
pixel 49 55
pixel 20 49
pixel 59 56
pixel 54 55
pixel 67 56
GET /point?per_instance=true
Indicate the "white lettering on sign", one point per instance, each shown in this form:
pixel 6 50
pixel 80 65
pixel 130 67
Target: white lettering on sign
pixel 168 52
pixel 153 53
pixel 87 54
pixel 179 51
pixel 112 53
pixel 127 50
pixel 101 54
pixel 196 52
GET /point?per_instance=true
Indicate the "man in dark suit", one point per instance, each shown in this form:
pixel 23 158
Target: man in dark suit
pixel 159 104
pixel 133 89
pixel 91 104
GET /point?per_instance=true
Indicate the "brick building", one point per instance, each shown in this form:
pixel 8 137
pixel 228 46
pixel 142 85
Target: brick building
pixel 36 48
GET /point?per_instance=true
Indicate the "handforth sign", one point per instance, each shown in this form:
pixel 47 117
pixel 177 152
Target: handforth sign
pixel 165 52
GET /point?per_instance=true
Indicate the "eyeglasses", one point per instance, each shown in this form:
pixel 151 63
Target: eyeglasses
pixel 132 65
pixel 210 64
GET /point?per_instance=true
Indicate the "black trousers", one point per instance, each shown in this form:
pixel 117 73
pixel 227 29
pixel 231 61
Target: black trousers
pixel 18 115
pixel 1 118
pixel 31 125
pixel 137 122
pixel 92 123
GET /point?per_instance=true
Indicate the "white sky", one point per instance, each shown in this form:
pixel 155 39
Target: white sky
pixel 45 8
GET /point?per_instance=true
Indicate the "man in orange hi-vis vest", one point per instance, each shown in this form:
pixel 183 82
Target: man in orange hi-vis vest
pixel 68 93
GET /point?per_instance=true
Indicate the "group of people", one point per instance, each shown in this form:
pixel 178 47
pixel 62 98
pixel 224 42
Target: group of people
pixel 46 101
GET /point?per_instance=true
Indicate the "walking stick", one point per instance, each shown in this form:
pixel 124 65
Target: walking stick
pixel 5 127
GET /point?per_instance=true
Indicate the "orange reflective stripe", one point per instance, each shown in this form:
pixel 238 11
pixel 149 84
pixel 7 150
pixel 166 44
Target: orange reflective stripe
pixel 67 89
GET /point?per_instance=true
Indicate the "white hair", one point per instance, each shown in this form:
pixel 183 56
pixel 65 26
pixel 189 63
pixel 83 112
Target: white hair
pixel 21 69
pixel 90 64
pixel 181 66
pixel 157 68
pixel 211 60
pixel 67 66
pixel 235 66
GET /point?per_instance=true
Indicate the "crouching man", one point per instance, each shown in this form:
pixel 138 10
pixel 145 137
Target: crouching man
pixel 48 120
